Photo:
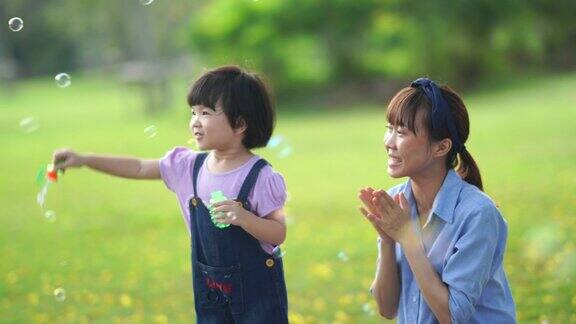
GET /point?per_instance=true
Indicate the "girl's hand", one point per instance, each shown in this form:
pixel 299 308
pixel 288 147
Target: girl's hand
pixel 395 216
pixel 65 158
pixel 371 213
pixel 230 212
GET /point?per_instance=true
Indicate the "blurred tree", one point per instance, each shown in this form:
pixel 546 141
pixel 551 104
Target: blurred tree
pixel 308 43
pixel 300 44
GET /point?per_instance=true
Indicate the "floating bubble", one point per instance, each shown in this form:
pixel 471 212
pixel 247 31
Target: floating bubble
pixel 146 2
pixel 542 242
pixel 367 308
pixel 60 294
pixel 151 131
pixel 343 256
pixel 29 125
pixel 275 141
pixel 63 80
pixel 50 216
pixel 285 152
pixel 15 24
pixel 280 146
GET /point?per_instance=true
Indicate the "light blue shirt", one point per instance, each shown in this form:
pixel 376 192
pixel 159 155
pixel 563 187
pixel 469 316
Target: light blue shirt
pixel 464 238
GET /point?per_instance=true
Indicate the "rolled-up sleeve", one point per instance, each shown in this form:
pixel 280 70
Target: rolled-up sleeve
pixel 470 266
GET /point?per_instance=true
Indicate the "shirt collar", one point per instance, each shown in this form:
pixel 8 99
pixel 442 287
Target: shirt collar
pixel 446 198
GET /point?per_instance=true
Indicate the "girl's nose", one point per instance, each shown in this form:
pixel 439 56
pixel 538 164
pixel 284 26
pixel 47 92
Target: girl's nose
pixel 195 121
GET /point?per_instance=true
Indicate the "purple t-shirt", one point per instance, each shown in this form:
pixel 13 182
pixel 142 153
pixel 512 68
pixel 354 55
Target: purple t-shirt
pixel 268 194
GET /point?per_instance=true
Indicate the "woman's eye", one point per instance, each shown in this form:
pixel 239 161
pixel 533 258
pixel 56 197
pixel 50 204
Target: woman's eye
pixel 205 113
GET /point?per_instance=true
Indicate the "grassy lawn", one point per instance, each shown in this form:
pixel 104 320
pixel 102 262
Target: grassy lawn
pixel 120 249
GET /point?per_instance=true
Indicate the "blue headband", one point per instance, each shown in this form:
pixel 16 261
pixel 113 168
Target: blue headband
pixel 441 114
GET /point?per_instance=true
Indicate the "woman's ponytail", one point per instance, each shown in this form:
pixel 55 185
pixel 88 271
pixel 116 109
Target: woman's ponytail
pixel 468 169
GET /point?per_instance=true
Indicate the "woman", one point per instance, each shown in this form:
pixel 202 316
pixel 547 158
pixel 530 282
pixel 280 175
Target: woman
pixel 441 239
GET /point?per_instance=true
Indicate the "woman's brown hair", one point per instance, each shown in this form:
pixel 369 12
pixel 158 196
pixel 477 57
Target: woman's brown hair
pixel 409 101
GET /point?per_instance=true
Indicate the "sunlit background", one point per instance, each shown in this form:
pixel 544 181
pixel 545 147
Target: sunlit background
pixel 112 76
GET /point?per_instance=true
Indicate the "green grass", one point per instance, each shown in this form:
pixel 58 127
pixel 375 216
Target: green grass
pixel 120 248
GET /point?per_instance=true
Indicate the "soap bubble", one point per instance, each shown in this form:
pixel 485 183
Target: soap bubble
pixel 280 146
pixel 60 294
pixel 15 24
pixel 343 256
pixel 50 216
pixel 275 141
pixel 367 308
pixel 285 152
pixel 146 2
pixel 29 125
pixel 63 80
pixel 151 131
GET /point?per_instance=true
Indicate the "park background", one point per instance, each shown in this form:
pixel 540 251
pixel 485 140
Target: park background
pixel 107 250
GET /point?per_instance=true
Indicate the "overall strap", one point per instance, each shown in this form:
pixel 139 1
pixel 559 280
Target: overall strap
pixel 197 164
pixel 249 182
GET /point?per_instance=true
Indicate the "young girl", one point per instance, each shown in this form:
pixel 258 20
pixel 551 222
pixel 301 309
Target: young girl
pixel 237 275
pixel 441 239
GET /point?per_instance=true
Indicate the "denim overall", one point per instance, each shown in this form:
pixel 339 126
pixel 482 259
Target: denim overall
pixel 235 281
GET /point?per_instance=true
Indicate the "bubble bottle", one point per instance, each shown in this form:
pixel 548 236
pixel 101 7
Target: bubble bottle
pixel 217 196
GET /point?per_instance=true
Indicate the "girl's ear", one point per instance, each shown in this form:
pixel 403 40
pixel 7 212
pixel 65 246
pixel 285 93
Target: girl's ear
pixel 242 126
pixel 442 148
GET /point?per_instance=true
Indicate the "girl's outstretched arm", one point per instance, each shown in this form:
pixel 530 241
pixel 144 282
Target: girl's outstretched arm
pixel 124 167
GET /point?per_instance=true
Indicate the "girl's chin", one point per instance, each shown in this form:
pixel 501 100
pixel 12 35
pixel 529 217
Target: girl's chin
pixel 201 146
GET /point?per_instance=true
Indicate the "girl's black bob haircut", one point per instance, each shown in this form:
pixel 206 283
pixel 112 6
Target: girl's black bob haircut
pixel 244 98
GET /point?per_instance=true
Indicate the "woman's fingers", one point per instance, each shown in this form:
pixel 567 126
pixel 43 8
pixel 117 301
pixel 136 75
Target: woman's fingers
pixel 376 222
pixel 385 200
pixel 367 202
pixel 367 214
pixel 365 194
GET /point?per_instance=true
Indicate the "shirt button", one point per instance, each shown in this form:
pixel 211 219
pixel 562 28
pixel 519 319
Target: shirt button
pixel 270 263
pixel 414 299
